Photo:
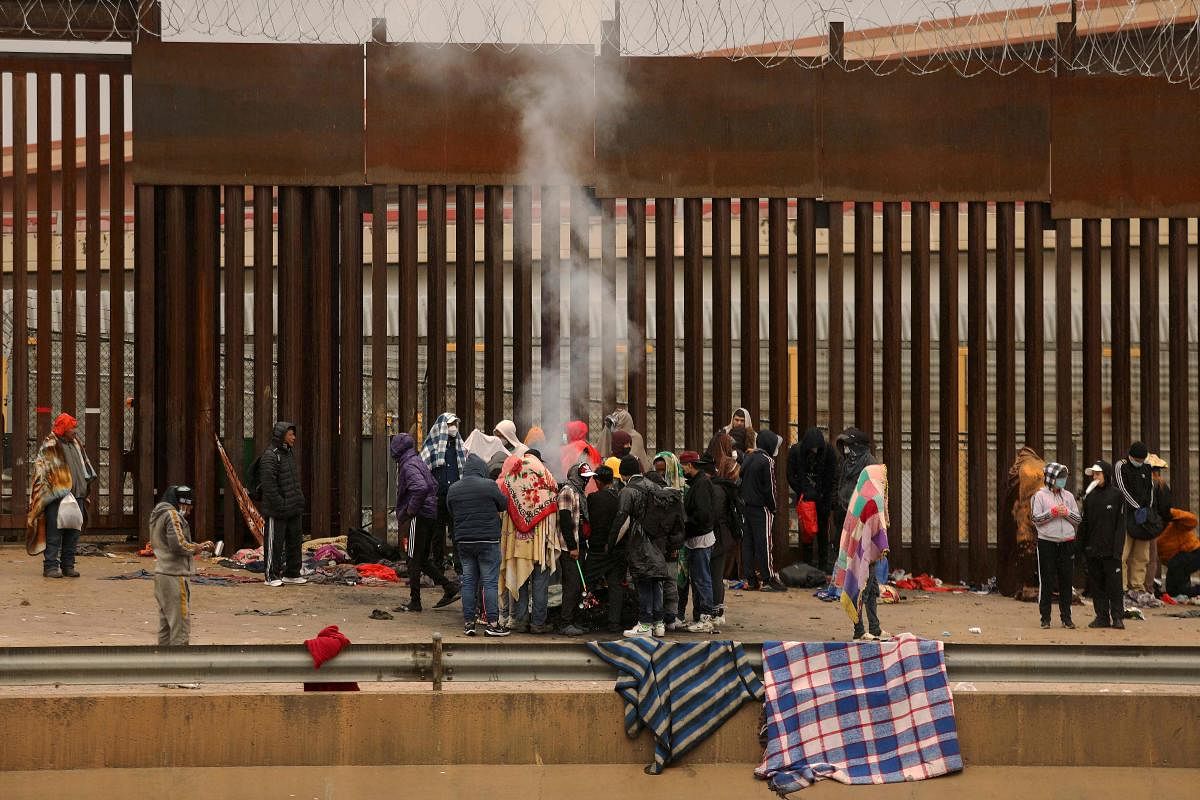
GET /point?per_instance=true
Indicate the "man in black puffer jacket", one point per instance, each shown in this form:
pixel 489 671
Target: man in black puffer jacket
pixel 283 507
pixel 474 503
pixel 812 475
pixel 1102 538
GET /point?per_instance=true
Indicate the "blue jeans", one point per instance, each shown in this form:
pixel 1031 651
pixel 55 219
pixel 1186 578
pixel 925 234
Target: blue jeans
pixel 60 543
pixel 650 601
pixel 698 570
pixel 480 564
pixel 538 584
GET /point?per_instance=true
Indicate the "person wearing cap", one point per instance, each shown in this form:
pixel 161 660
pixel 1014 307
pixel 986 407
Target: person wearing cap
pixel 1143 521
pixel 1055 515
pixel 171 538
pixel 699 515
pixel 758 492
pixel 605 558
pixel 62 472
pixel 572 516
pixel 1101 539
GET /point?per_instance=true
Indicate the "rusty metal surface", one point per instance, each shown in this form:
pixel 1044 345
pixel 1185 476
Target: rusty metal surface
pixel 485 116
pixel 20 310
pixel 949 423
pixel 635 228
pixel 69 262
pixel 664 140
pixel 435 232
pixel 464 302
pixel 722 305
pixel 204 333
pixel 349 382
pixel 234 336
pixel 693 323
pixel 864 316
pixel 608 298
pixel 581 299
pixel 1006 389
pixel 1035 343
pixel 893 265
pixel 320 357
pixel 408 309
pixel 1124 120
pixel 522 281
pixel 1148 339
pixel 806 309
pixel 287 114
pixel 1177 336
pixel 919 315
pixel 116 288
pixel 1122 367
pixel 748 276
pixel 978 474
pixel 91 189
pixel 145 342
pixel 664 324
pixel 989 140
pixel 379 345
pixel 264 300
pixel 1093 344
pixel 779 391
pixel 493 321
pixel 837 344
pixel 1063 432
pixel 551 301
pixel 45 244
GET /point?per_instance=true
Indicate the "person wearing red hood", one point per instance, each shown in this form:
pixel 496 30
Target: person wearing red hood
pixel 62 473
pixel 577 448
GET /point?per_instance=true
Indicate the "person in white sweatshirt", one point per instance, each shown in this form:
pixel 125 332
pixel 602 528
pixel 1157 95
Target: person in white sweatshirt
pixel 1056 517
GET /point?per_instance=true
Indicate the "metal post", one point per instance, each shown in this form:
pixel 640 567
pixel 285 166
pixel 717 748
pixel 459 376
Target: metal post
pixel 437 662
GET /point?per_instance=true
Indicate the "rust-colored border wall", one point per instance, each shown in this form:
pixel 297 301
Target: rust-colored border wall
pixel 176 730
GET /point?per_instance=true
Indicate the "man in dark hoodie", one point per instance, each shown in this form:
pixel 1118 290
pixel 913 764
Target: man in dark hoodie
pixel 282 506
pixel 572 514
pixel 171 538
pixel 1143 519
pixel 812 475
pixel 417 516
pixel 444 454
pixel 606 559
pixel 1101 536
pixel 699 510
pixel 758 492
pixel 854 455
pixel 475 503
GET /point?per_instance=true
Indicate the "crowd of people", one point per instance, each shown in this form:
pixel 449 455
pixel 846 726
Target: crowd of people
pixel 523 515
pixel 1126 509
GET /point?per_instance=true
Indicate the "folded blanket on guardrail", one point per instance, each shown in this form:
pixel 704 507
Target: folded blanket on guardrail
pixel 681 691
pixel 857 712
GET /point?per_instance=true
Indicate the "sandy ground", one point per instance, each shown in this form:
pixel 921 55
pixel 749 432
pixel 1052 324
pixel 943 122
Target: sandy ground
pixel 90 611
pixel 592 782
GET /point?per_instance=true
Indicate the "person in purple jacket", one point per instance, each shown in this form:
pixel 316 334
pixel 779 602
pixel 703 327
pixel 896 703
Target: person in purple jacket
pixel 416 514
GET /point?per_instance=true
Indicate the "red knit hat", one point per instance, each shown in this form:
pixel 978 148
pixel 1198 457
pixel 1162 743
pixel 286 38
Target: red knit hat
pixel 689 457
pixel 63 423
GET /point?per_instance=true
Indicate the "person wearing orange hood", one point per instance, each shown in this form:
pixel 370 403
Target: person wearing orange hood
pixel 1179 550
pixel 577 448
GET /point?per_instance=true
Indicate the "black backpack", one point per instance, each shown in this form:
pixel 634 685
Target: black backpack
pixel 254 479
pixel 363 548
pixel 660 515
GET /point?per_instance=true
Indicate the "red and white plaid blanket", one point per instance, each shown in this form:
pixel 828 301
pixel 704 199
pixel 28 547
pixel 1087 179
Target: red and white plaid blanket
pixel 857 712
pixel 254 520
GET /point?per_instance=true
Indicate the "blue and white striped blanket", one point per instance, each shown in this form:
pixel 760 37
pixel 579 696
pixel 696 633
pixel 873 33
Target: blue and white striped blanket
pixel 872 712
pixel 681 691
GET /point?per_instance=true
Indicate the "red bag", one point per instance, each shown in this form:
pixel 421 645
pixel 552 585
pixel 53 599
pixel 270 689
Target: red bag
pixel 806 511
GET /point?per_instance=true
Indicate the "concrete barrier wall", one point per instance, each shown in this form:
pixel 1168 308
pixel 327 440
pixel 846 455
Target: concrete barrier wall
pixel 514 727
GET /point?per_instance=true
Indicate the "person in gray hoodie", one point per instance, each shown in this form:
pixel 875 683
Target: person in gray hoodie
pixel 475 503
pixel 171 538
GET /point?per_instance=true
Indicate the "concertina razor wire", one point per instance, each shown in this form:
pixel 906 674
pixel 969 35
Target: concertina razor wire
pixel 970 37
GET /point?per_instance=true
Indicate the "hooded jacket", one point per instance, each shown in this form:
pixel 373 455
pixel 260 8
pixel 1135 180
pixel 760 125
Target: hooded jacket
pixel 758 472
pixel 506 429
pixel 577 448
pixel 443 452
pixel 812 470
pixel 726 493
pixel 699 510
pixel 1136 485
pixel 572 509
pixel 416 488
pixel 854 446
pixel 744 439
pixel 475 505
pixel 1102 531
pixel 282 497
pixel 171 537
pixel 620 420
pixel 602 510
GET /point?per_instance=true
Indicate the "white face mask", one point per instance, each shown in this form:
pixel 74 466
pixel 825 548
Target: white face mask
pixel 1135 462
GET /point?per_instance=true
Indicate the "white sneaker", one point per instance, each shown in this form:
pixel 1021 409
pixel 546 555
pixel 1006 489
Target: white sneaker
pixel 718 621
pixel 660 630
pixel 705 625
pixel 640 630
pixel 275 584
pixel 296 581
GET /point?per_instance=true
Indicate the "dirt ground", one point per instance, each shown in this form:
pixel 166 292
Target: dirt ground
pixel 35 611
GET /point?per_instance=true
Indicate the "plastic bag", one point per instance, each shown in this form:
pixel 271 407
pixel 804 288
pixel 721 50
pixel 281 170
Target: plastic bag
pixel 70 515
pixel 806 511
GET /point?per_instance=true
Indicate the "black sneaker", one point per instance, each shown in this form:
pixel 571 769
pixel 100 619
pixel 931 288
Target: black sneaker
pixel 541 629
pixel 775 585
pixel 1098 623
pixel 451 594
pixel 572 630
pixel 413 605
pixel 469 629
pixel 494 629
pixel 69 572
pixel 1068 624
pixel 1045 623
pixel 1118 624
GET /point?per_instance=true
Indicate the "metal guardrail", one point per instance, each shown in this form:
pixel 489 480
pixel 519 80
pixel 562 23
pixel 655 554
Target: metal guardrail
pixel 435 662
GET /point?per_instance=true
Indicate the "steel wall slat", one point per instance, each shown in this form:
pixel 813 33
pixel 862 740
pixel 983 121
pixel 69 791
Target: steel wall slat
pixel 234 212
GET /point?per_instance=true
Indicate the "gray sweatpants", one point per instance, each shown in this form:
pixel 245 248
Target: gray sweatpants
pixel 174 623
